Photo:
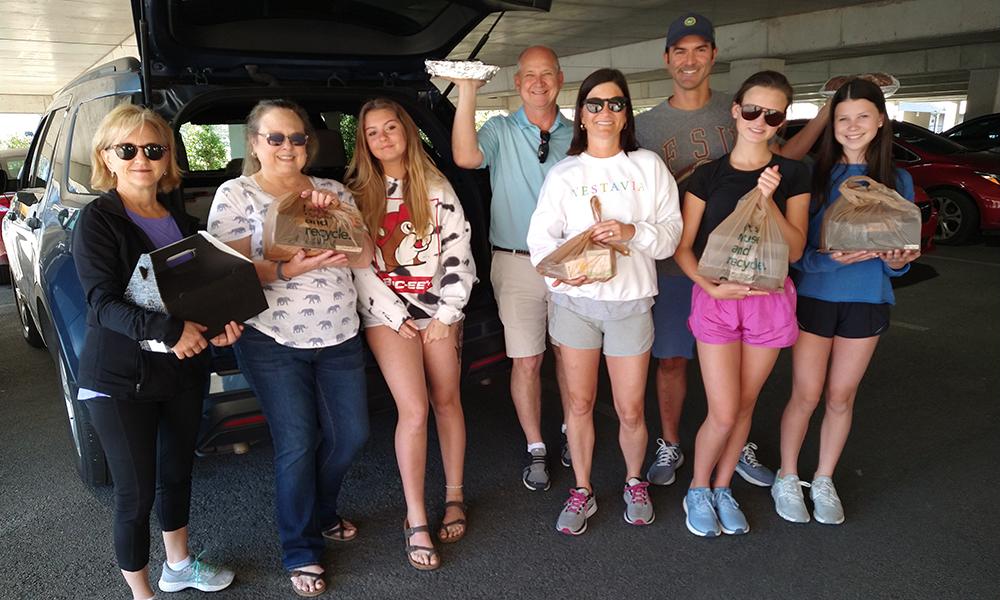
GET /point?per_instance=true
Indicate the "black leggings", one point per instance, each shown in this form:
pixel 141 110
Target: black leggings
pixel 150 451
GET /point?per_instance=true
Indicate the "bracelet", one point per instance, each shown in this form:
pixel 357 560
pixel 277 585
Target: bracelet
pixel 280 272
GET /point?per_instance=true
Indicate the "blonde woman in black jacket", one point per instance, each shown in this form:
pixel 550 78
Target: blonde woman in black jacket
pixel 145 406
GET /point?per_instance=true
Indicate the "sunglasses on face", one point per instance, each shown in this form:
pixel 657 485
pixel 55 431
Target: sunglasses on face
pixel 277 139
pixel 596 105
pixel 543 146
pixel 772 117
pixel 129 151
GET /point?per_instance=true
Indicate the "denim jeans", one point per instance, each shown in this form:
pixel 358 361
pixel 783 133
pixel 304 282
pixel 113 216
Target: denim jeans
pixel 317 410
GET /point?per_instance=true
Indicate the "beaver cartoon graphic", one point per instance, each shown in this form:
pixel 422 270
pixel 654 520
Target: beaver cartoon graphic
pixel 399 243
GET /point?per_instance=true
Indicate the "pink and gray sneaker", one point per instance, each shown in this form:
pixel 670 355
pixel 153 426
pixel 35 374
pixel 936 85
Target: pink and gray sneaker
pixel 578 508
pixel 638 504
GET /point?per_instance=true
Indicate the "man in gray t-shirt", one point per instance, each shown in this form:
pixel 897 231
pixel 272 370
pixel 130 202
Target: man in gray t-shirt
pixel 693 126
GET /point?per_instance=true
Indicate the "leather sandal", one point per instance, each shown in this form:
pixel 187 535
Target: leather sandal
pixel 317 578
pixel 444 526
pixel 338 532
pixel 431 553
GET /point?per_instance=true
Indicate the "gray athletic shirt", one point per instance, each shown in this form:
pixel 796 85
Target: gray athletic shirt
pixel 685 139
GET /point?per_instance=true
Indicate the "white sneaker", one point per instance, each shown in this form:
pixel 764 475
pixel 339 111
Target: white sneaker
pixel 826 504
pixel 788 500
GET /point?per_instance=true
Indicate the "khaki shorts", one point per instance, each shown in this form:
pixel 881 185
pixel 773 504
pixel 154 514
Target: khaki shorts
pixel 523 301
pixel 630 336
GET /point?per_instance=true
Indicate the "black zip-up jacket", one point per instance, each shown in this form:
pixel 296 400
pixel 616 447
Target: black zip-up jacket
pixel 106 248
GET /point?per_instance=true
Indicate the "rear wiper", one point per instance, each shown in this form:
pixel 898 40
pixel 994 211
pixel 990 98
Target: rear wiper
pixel 475 51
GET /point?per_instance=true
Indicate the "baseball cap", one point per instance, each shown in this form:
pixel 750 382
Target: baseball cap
pixel 690 24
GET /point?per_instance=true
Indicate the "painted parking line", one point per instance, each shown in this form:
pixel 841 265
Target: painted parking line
pixel 960 260
pixel 909 326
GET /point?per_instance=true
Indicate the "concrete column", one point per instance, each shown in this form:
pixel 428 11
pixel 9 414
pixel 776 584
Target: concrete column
pixel 984 93
pixel 739 70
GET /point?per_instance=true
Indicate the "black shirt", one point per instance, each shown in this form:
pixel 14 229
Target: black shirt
pixel 721 187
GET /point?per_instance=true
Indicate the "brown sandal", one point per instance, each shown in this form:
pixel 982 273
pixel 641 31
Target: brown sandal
pixel 444 526
pixel 432 554
pixel 339 532
pixel 317 578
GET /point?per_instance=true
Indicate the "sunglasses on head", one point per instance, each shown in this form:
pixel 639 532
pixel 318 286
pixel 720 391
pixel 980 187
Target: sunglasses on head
pixel 772 117
pixel 543 146
pixel 129 151
pixel 277 139
pixel 596 105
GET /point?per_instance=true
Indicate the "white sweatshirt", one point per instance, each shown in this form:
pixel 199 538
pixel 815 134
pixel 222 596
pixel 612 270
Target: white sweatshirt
pixel 414 276
pixel 634 188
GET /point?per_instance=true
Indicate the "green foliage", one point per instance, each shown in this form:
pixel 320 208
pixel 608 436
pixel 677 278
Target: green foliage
pixel 15 141
pixel 206 150
pixel 348 131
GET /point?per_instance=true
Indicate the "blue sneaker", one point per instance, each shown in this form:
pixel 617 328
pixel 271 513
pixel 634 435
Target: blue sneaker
pixel 731 518
pixel 750 469
pixel 701 518
pixel 198 575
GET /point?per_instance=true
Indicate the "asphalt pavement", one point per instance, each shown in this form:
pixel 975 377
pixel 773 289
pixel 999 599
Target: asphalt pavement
pixel 917 481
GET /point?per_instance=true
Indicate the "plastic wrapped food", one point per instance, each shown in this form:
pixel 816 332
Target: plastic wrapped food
pixel 461 69
pixel 293 223
pixel 870 216
pixel 747 247
pixel 888 83
pixel 580 255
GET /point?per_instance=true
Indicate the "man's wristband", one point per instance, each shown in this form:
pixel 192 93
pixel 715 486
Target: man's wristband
pixel 280 272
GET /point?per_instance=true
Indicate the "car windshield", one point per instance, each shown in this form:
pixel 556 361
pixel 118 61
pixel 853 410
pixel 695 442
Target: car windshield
pixel 925 140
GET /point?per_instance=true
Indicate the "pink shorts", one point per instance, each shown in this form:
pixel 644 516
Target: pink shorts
pixel 767 321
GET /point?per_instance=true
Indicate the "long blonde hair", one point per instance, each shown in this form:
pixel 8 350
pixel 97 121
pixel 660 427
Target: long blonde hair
pixel 119 123
pixel 366 178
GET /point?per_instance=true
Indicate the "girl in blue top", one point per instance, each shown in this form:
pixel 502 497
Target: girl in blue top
pixel 843 303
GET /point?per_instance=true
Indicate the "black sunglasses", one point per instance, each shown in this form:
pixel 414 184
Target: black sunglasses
pixel 596 105
pixel 543 146
pixel 277 139
pixel 129 151
pixel 772 117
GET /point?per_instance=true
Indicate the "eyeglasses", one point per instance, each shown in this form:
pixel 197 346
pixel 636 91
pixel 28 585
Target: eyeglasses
pixel 543 146
pixel 596 105
pixel 772 117
pixel 277 139
pixel 129 151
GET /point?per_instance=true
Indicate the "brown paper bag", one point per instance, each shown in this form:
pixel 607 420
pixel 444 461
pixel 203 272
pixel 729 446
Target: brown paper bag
pixel 580 255
pixel 747 247
pixel 870 216
pixel 293 223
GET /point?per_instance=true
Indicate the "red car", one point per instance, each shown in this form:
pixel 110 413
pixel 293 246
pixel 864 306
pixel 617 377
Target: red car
pixel 964 185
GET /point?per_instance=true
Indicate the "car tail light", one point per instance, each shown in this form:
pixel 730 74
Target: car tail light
pixel 243 421
pixel 487 361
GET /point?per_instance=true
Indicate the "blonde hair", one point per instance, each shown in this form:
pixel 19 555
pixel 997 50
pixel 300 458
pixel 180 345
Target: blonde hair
pixel 118 124
pixel 366 178
pixel 250 163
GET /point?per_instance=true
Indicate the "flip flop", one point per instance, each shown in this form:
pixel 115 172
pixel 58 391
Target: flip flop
pixel 444 526
pixel 338 532
pixel 316 578
pixel 411 548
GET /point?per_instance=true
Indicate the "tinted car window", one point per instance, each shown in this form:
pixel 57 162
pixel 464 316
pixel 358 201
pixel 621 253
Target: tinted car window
pixel 43 166
pixel 88 117
pixel 927 141
pixel 977 129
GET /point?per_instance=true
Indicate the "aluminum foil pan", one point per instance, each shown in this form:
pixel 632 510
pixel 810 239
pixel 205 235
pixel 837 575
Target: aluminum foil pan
pixel 888 83
pixel 461 69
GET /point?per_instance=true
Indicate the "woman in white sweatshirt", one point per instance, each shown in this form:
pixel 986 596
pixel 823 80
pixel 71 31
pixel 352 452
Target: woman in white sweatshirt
pixel 411 303
pixel 640 209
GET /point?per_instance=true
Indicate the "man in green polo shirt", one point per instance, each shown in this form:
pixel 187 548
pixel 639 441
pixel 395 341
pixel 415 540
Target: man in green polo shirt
pixel 519 150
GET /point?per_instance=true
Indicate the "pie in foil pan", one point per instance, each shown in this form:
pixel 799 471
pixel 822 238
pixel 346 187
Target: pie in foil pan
pixel 888 83
pixel 461 69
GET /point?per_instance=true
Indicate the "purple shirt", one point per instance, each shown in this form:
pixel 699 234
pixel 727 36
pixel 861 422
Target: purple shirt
pixel 162 231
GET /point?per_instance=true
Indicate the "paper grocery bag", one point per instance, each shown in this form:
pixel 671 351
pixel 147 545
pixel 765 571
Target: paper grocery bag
pixel 747 247
pixel 581 255
pixel 197 279
pixel 293 223
pixel 870 216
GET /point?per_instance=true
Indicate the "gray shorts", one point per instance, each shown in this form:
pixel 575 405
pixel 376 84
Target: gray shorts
pixel 630 336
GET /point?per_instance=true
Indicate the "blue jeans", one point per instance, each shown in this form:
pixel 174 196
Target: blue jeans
pixel 317 409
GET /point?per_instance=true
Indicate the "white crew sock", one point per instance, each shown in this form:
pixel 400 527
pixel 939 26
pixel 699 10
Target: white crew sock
pixel 536 446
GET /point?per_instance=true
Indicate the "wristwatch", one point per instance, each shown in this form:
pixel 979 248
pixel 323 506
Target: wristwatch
pixel 280 272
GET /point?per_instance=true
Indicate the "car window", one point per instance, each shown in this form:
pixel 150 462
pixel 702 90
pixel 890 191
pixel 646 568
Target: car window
pixel 13 167
pixel 88 117
pixel 925 140
pixel 975 130
pixel 43 166
pixel 902 154
pixel 213 147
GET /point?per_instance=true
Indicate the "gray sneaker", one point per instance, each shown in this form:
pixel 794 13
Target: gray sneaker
pixel 788 500
pixel 666 461
pixel 564 455
pixel 826 504
pixel 750 469
pixel 638 504
pixel 578 508
pixel 536 474
pixel 198 575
